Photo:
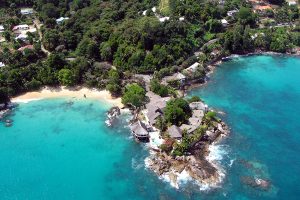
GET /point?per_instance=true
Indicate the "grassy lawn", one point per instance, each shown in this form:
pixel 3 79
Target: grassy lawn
pixel 164 7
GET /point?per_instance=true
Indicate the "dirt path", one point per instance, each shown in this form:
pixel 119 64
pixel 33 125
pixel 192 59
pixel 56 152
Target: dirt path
pixel 38 25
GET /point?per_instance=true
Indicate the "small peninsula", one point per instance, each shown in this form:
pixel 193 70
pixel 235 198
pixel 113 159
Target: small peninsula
pixel 145 56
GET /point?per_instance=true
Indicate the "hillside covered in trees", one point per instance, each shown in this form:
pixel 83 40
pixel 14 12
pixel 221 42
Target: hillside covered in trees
pixel 135 36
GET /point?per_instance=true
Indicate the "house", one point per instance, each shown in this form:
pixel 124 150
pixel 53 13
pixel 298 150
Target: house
pixel 26 11
pixel 154 111
pixel 224 22
pixel 61 20
pixel 21 27
pixel 181 18
pixel 261 8
pixel 175 77
pixel 163 19
pixel 232 13
pixel 2 29
pixel 192 69
pixel 2 64
pixel 22 37
pixel 189 128
pixel 175 132
pixel 292 3
pixel 26 47
pixel 139 130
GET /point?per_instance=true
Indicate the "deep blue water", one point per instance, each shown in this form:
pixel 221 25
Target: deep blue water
pixel 61 148
pixel 261 98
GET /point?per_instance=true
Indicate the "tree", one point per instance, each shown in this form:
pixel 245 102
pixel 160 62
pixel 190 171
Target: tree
pixel 65 77
pixel 134 95
pixel 246 16
pixel 3 95
pixel 114 82
pixel 177 111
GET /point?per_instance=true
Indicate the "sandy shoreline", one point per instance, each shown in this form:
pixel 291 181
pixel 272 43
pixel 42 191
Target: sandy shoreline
pixel 63 92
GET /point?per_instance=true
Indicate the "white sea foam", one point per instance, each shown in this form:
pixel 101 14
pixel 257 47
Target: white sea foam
pixel 25 100
pixel 215 157
pixel 135 164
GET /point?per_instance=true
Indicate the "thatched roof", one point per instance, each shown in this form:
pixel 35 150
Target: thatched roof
pixel 175 132
pixel 139 129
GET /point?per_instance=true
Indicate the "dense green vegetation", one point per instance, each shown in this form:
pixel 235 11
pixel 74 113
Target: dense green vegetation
pixel 177 111
pixel 99 34
pixel 134 95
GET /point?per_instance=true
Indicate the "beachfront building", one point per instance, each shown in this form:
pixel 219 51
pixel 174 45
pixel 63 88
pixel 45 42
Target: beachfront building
pixel 175 132
pixel 155 107
pixel 26 11
pixel 21 27
pixel 139 130
pixel 61 20
pixel 192 69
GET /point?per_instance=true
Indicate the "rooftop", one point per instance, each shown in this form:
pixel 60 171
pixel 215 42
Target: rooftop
pixel 139 129
pixel 26 47
pixel 175 132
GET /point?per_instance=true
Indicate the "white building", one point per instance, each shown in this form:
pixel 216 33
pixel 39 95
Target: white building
pixel 292 3
pixel 231 13
pixel 163 19
pixel 61 20
pixel 2 64
pixel 181 18
pixel 224 22
pixel 21 27
pixel 26 11
pixel 1 29
pixel 22 37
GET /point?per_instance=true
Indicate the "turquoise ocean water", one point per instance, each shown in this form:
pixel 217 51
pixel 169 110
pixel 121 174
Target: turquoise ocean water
pixel 61 148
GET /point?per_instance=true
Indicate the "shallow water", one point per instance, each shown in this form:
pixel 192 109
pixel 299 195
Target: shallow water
pixel 61 148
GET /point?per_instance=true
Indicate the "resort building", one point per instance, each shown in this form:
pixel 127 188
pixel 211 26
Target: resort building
pixel 26 11
pixel 175 132
pixel 61 20
pixel 139 130
pixel 192 69
pixel 2 64
pixel 21 27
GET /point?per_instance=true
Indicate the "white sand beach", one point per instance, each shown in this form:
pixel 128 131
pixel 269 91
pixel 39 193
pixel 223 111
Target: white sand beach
pixel 63 92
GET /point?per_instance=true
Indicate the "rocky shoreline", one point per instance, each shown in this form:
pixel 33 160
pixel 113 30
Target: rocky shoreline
pixel 5 111
pixel 195 166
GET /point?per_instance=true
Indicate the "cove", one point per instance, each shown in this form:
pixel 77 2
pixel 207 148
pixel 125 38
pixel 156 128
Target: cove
pixel 261 98
pixel 62 149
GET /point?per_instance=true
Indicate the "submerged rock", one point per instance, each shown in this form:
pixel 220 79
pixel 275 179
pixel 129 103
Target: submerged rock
pixel 256 182
pixel 112 114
